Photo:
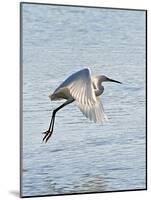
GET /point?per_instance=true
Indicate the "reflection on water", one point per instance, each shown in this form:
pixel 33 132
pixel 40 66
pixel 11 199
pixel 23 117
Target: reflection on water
pixel 83 156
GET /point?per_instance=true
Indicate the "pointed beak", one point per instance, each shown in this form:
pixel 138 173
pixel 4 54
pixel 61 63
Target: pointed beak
pixel 114 81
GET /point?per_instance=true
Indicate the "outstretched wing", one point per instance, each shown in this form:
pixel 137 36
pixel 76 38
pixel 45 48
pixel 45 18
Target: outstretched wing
pixel 94 112
pixel 80 87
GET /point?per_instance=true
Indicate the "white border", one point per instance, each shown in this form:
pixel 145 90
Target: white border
pixel 9 90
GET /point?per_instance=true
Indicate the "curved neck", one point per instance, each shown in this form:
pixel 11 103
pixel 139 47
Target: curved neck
pixel 99 90
pixel 97 85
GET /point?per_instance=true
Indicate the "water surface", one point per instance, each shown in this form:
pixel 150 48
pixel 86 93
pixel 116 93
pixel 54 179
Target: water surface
pixel 83 156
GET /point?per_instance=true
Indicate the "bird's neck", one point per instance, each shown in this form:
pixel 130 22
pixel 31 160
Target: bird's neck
pixel 98 87
pixel 99 90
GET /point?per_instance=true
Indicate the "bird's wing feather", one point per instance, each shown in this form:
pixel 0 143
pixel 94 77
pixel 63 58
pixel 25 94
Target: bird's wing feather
pixel 80 87
pixel 94 112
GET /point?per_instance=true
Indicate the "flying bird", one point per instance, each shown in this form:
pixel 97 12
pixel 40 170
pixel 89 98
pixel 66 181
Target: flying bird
pixel 85 90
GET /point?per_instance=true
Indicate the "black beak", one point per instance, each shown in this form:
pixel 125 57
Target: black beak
pixel 114 81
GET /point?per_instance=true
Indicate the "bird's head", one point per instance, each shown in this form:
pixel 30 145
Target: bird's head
pixel 106 79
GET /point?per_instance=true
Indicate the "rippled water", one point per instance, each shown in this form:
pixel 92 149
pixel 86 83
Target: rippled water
pixel 83 156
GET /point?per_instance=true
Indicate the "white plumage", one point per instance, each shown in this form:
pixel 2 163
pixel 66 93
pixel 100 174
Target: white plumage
pixel 78 86
pixel 85 91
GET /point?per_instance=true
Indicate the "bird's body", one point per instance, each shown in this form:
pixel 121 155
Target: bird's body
pixel 85 90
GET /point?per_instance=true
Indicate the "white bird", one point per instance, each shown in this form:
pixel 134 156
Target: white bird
pixel 85 90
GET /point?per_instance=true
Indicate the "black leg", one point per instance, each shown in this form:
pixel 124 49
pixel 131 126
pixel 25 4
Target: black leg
pixel 49 132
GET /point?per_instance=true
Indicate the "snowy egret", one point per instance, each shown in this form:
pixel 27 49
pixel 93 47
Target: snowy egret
pixel 85 91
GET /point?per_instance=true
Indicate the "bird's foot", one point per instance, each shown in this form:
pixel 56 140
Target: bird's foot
pixel 47 135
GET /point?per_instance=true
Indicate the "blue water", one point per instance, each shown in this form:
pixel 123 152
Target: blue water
pixel 82 156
